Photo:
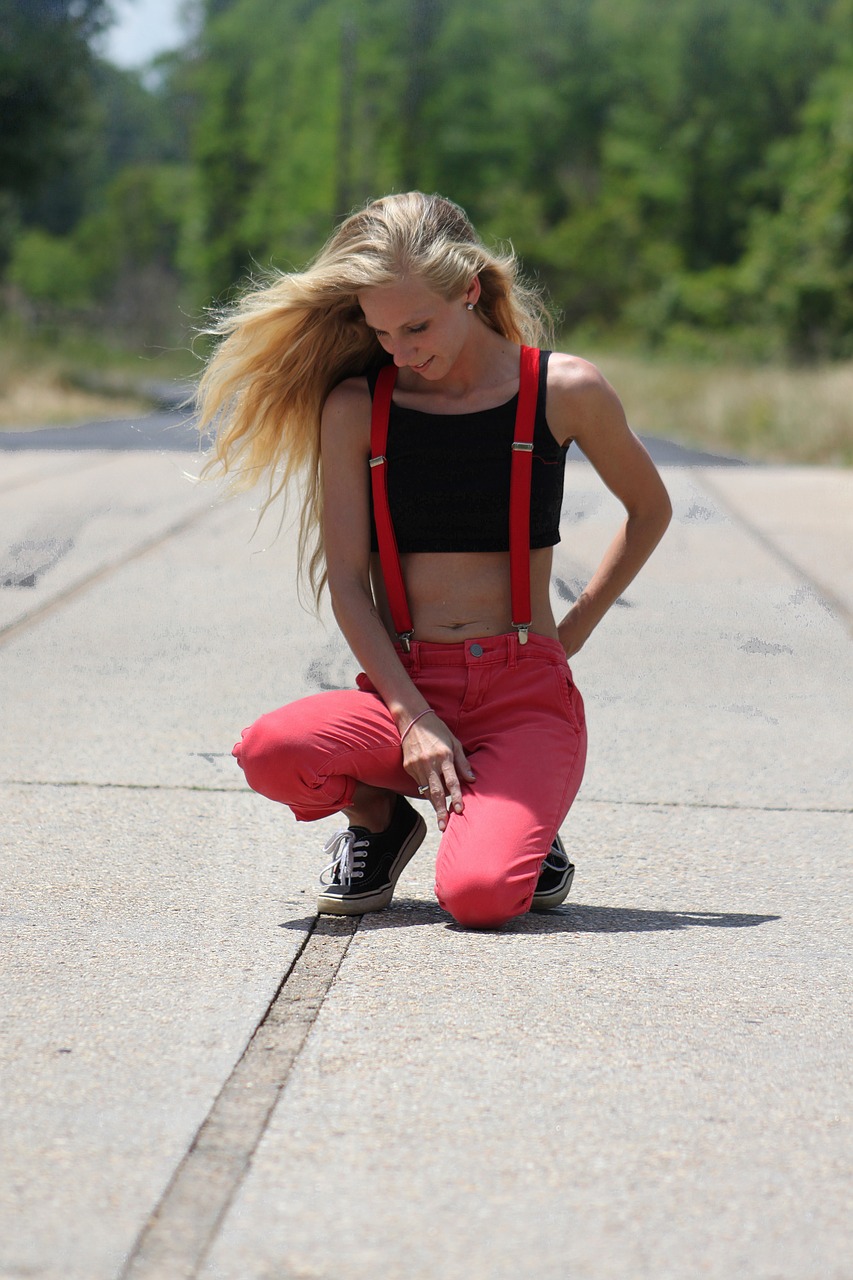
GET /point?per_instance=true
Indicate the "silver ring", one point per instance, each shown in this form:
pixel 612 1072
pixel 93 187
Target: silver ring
pixel 423 790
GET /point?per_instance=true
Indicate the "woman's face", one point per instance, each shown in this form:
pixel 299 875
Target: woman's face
pixel 420 329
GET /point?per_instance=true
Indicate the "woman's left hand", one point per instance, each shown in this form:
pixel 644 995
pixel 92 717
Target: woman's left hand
pixel 572 633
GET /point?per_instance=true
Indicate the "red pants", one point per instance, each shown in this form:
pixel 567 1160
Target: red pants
pixel 521 722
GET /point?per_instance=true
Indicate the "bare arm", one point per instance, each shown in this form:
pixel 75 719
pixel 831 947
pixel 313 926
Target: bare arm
pixel 431 754
pixel 583 406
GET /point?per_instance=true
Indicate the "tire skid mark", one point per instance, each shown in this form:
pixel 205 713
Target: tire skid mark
pixel 10 630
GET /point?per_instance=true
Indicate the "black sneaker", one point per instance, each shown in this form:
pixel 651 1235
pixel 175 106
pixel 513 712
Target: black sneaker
pixel 366 865
pixel 555 878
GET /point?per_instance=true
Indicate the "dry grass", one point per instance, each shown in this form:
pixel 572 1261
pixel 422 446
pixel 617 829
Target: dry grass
pixel 77 379
pixel 772 414
pixel 42 397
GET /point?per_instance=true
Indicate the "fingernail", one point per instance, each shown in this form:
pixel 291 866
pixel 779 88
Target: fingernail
pixel 458 808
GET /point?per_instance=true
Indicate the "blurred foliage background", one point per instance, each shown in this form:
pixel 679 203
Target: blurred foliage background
pixel 678 173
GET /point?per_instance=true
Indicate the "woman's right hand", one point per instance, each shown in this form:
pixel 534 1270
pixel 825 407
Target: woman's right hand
pixel 435 759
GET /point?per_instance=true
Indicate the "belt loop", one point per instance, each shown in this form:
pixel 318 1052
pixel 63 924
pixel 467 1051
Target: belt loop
pixel 512 651
pixel 415 655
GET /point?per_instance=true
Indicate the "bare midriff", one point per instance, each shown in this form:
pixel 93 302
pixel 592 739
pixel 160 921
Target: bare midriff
pixel 455 596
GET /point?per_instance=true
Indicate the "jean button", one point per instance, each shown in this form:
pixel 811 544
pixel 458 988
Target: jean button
pixel 476 650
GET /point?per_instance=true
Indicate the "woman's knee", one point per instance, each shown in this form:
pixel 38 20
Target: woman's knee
pixel 273 756
pixel 479 899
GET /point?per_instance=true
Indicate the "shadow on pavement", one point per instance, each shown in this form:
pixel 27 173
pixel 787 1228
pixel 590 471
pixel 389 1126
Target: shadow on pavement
pixel 573 918
pixel 155 432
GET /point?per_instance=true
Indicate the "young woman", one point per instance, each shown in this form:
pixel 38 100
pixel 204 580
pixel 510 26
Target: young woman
pixel 401 375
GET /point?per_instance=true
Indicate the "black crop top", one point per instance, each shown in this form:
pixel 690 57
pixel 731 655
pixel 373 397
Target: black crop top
pixel 448 477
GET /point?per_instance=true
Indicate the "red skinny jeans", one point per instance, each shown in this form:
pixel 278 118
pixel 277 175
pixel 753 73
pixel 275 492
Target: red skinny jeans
pixel 520 719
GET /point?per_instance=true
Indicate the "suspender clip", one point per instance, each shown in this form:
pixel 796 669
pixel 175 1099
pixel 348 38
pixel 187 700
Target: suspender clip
pixel 377 462
pixel 405 638
pixel 522 628
pixel 520 446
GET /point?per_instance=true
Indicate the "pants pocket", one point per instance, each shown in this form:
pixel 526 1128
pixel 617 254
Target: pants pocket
pixel 570 699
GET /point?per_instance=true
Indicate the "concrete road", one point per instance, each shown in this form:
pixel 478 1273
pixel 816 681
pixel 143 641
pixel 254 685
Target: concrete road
pixel 200 1080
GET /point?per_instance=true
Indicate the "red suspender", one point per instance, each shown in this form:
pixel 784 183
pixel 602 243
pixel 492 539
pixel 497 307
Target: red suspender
pixel 519 492
pixel 389 556
pixel 519 499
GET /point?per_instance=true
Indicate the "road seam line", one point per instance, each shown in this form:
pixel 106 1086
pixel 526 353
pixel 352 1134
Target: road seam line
pixel 710 804
pixel 824 592
pixel 581 800
pixel 21 482
pixel 182 1228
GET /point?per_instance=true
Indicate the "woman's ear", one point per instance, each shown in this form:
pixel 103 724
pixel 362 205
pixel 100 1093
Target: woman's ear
pixel 472 293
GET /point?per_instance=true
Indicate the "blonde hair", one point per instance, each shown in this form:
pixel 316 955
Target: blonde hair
pixel 290 340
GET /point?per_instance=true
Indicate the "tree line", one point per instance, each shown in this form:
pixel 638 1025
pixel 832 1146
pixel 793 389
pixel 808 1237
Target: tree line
pixel 675 170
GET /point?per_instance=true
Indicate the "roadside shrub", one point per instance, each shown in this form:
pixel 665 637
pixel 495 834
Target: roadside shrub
pixel 49 269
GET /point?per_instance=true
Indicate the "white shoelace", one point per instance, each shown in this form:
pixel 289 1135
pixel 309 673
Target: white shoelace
pixel 346 865
pixel 562 859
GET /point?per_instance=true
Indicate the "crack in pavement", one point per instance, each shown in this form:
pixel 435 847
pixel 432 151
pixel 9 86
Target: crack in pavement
pixel 183 1226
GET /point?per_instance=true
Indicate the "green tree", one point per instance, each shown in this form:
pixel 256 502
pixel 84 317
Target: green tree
pixel 798 269
pixel 697 92
pixel 298 120
pixel 670 166
pixel 125 122
pixel 44 61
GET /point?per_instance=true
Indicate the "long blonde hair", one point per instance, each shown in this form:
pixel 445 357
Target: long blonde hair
pixel 291 339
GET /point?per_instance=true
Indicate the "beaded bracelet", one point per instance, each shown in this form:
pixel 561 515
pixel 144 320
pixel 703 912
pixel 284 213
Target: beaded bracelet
pixel 415 721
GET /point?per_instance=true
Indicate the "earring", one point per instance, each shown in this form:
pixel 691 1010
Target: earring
pixel 469 306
